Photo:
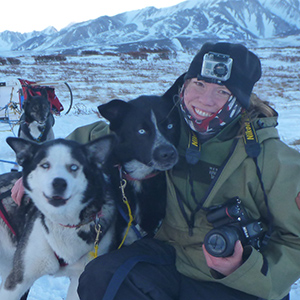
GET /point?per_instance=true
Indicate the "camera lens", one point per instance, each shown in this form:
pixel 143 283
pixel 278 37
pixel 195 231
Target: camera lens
pixel 215 244
pixel 220 242
pixel 220 70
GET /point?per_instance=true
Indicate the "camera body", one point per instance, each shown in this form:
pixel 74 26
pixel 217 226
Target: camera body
pixel 231 223
pixel 216 66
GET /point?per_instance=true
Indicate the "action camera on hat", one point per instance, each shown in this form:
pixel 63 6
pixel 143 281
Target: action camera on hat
pixel 216 66
pixel 232 65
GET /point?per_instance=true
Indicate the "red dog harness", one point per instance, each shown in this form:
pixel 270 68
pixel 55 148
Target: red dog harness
pixel 3 212
pixel 4 216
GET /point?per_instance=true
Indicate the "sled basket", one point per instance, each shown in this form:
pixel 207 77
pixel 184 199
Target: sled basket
pixel 13 93
pixel 34 89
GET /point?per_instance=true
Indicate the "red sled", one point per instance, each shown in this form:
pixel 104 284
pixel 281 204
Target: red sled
pixel 13 93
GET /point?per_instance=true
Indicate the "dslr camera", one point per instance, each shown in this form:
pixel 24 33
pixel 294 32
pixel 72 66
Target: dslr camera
pixel 231 223
pixel 216 66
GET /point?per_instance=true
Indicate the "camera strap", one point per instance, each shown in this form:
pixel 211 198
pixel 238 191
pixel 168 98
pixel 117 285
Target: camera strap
pixel 190 221
pixel 193 151
pixel 253 149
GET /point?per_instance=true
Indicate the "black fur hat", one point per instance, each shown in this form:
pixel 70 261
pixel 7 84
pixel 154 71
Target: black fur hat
pixel 245 72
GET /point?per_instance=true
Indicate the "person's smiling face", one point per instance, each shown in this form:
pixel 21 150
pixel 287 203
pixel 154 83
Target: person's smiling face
pixel 203 99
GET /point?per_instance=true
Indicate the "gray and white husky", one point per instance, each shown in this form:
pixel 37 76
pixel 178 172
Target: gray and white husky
pixel 53 230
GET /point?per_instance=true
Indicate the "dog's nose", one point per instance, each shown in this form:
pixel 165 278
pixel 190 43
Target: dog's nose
pixel 59 185
pixel 165 153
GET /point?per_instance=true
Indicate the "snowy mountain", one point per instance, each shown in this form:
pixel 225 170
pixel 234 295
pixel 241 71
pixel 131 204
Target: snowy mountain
pixel 184 25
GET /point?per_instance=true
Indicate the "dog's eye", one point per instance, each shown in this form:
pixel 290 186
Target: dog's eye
pixel 73 168
pixel 170 126
pixel 45 166
pixel 142 131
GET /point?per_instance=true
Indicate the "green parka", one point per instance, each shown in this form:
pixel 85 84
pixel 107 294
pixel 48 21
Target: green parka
pixel 269 274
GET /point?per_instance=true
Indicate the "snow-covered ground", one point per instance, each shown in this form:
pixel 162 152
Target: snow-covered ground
pixel 100 78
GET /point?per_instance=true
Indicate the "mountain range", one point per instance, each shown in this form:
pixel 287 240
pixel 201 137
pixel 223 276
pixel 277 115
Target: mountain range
pixel 180 27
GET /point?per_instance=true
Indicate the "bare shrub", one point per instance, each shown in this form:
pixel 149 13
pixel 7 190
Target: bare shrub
pixel 286 58
pixel 3 61
pixel 90 52
pixel 143 54
pixel 49 58
pixel 295 143
pixel 110 54
pixel 13 61
pixel 81 109
pixel 162 53
pixel 137 55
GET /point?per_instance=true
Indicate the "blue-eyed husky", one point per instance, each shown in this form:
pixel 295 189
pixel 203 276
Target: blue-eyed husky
pixel 53 230
pixel 148 132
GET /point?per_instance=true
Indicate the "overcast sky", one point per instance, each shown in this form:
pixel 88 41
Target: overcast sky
pixel 26 16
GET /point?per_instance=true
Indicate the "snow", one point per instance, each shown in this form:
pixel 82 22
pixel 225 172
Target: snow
pixel 49 288
pixel 100 78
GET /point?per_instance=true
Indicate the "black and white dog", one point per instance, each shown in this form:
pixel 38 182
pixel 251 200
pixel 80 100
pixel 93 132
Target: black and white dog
pixel 37 121
pixel 148 132
pixel 54 232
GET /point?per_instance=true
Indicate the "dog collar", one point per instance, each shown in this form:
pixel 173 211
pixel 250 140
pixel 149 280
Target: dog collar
pixel 127 176
pixel 61 261
pixel 87 221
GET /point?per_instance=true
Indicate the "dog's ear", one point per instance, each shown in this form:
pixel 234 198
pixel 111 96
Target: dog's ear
pixel 114 112
pixel 44 93
pixel 25 103
pixel 27 100
pixel 24 149
pixel 99 149
pixel 28 95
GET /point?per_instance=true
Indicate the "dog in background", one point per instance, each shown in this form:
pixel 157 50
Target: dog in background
pixel 54 229
pixel 148 132
pixel 37 121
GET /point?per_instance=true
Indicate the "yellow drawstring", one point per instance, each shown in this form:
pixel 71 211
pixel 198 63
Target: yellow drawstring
pixel 125 200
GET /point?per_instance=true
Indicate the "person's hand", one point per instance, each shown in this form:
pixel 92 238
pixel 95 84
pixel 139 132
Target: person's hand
pixel 17 191
pixel 225 265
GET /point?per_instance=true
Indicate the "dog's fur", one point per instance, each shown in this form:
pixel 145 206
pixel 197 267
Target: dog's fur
pixel 68 190
pixel 148 131
pixel 37 121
